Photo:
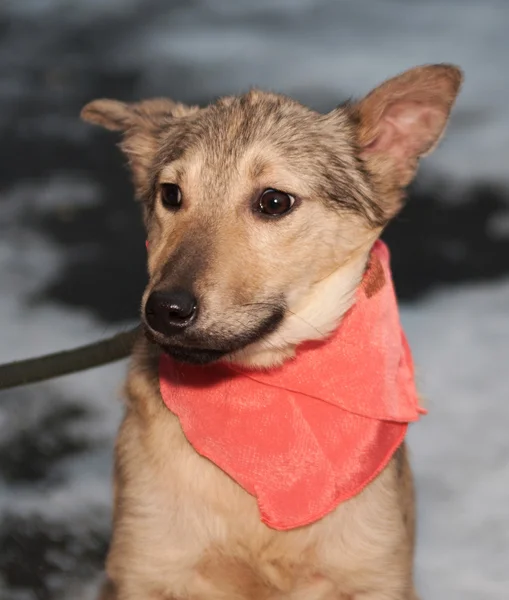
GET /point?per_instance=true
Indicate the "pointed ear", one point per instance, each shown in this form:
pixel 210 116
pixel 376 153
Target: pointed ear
pixel 404 118
pixel 143 125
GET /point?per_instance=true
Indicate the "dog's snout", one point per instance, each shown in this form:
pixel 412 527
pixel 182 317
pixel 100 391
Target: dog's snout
pixel 168 312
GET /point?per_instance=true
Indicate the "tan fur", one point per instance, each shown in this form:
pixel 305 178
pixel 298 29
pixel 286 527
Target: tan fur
pixel 183 530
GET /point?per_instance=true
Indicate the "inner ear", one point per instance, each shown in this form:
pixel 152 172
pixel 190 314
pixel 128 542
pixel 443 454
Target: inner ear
pixel 407 129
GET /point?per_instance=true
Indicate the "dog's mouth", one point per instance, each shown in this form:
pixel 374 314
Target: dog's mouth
pixel 191 347
pixel 197 356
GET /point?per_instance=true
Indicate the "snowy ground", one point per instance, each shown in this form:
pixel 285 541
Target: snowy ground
pixel 68 232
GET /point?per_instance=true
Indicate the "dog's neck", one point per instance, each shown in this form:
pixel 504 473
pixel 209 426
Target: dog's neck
pixel 314 317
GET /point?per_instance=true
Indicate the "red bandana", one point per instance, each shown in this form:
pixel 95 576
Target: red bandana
pixel 314 432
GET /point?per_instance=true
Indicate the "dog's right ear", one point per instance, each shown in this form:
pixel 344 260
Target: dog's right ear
pixel 111 114
pixel 142 124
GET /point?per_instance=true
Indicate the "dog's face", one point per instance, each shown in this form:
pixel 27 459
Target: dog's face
pixel 260 212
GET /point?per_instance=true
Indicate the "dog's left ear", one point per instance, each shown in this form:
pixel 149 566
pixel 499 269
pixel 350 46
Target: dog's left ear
pixel 403 119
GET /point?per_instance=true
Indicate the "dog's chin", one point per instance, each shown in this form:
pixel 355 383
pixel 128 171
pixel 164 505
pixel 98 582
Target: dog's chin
pixel 212 349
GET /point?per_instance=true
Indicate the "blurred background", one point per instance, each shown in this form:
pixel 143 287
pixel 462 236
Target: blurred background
pixel 72 252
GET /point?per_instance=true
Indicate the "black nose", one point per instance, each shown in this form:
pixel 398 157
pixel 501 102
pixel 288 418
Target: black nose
pixel 170 312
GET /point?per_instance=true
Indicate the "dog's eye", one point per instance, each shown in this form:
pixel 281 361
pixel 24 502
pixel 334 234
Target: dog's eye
pixel 275 203
pixel 171 196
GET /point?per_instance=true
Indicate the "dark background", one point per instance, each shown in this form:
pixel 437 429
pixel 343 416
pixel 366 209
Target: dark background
pixel 72 251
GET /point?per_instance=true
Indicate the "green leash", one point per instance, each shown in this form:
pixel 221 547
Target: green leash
pixel 33 370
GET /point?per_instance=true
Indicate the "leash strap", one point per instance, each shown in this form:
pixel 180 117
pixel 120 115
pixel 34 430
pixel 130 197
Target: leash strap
pixel 96 354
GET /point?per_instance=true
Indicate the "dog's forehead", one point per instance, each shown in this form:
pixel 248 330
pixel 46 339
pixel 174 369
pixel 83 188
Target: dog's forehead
pixel 254 130
pixel 256 116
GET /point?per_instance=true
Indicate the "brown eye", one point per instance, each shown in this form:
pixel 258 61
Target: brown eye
pixel 171 196
pixel 275 203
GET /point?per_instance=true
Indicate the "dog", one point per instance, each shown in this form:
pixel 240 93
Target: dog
pixel 261 217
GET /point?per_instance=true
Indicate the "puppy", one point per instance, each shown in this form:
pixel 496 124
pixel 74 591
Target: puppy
pixel 262 221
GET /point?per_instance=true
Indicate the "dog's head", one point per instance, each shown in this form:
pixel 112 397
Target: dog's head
pixel 260 212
